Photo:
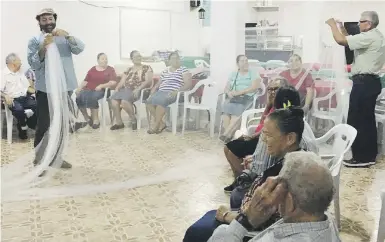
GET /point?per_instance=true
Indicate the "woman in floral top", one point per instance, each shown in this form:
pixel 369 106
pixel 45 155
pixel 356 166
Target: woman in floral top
pixel 129 88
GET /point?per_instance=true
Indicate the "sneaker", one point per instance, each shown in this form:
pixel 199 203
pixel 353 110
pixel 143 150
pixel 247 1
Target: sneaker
pixel 231 187
pixel 355 163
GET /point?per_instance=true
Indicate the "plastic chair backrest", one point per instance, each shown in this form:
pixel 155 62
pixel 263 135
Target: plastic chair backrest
pixel 210 93
pixel 201 64
pixel 344 136
pixel 157 67
pixel 382 94
pixel 273 64
pixel 324 73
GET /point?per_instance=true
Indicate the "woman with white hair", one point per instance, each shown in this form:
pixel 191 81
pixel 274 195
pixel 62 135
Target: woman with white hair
pixel 369 59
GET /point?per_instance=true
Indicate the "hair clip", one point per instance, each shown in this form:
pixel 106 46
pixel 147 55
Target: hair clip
pixel 287 105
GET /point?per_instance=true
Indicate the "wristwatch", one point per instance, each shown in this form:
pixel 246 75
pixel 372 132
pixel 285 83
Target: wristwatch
pixel 244 221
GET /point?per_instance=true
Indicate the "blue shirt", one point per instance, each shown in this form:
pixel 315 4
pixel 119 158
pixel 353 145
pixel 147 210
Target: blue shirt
pixel 239 82
pixel 66 49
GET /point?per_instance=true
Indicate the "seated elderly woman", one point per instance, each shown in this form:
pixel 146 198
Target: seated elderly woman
pixel 300 79
pixel 240 90
pixel 302 192
pixel 239 148
pixel 282 133
pixel 174 79
pixel 93 87
pixel 128 90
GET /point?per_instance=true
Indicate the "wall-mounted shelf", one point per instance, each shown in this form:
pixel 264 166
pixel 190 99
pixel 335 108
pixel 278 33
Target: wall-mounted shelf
pixel 266 8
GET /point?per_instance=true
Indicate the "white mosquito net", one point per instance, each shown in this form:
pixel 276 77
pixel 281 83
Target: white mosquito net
pixel 328 78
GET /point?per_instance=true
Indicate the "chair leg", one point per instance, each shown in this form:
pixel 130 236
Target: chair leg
pixel 9 129
pixel 174 118
pixel 184 120
pixel 139 115
pixel 381 223
pixel 337 212
pixel 212 123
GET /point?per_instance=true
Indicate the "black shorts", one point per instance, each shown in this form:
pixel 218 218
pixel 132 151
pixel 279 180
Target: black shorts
pixel 242 148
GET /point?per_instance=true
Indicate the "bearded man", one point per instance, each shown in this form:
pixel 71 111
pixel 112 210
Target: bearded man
pixel 37 46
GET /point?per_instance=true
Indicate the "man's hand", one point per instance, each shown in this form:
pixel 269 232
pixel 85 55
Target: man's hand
pixel 265 201
pixel 98 88
pixel 247 160
pixel 47 41
pixel 331 22
pixel 305 109
pixel 60 32
pixel 222 212
pixel 8 100
pixel 136 93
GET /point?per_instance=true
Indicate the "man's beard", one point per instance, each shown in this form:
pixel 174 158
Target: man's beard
pixel 48 28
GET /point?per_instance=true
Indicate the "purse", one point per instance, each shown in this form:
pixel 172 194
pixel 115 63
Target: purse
pixel 242 99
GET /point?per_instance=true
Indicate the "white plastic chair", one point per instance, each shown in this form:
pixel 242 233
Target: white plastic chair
pixel 209 102
pixel 174 112
pixel 104 108
pixel 9 120
pixel 273 64
pixel 344 136
pixel 245 121
pixel 201 64
pixel 335 114
pixel 381 222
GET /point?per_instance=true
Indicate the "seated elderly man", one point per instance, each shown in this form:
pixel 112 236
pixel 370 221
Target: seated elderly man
pixel 15 91
pixel 302 192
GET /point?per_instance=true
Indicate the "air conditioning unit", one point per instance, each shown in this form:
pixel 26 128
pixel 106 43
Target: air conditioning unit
pixel 195 4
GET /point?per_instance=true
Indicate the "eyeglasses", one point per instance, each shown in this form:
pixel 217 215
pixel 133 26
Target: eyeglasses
pixel 272 89
pixel 363 21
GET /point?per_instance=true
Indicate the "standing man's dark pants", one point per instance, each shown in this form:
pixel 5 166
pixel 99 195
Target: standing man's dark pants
pixel 43 124
pixel 366 88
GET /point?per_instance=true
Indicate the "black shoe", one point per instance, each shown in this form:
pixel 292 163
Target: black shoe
pixel 231 187
pixel 77 126
pixel 355 163
pixel 117 126
pixel 23 134
pixel 95 126
pixel 66 165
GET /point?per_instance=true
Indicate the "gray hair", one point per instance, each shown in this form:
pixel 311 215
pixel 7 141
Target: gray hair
pixel 371 16
pixel 309 181
pixel 10 58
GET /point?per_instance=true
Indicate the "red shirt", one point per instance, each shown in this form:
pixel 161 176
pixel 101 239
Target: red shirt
pixel 264 115
pixel 94 77
pixel 306 83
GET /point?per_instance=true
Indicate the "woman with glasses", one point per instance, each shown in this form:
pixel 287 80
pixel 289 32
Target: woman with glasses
pixel 236 150
pixel 128 90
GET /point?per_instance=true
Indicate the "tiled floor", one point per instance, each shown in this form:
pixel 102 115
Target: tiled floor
pixel 154 187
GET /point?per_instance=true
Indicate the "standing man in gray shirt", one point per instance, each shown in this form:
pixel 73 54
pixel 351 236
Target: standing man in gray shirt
pixel 369 58
pixel 37 46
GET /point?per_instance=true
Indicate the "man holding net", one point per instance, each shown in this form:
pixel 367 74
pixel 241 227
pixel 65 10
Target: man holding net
pixel 369 58
pixel 37 47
